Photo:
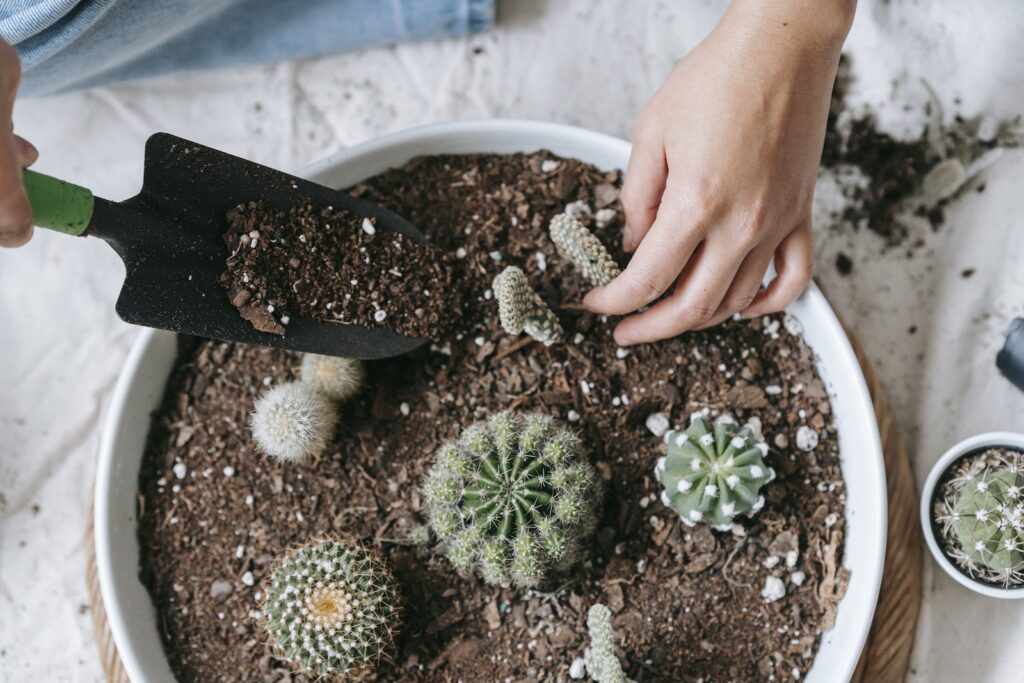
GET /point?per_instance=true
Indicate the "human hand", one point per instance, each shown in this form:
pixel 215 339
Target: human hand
pixel 722 172
pixel 15 154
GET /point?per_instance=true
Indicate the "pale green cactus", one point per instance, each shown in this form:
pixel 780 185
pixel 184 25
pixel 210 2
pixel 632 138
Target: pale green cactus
pixel 982 513
pixel 337 378
pixel 513 498
pixel 579 246
pixel 292 421
pixel 600 660
pixel 713 473
pixel 332 608
pixel 522 310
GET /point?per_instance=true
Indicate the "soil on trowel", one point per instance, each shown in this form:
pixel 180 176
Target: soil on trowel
pixel 335 266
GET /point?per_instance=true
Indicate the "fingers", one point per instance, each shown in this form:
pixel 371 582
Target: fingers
pixel 15 154
pixel 25 151
pixel 643 187
pixel 15 211
pixel 745 285
pixel 793 267
pixel 701 288
pixel 662 254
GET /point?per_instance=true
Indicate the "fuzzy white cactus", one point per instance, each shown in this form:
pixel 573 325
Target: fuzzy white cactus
pixel 292 421
pixel 522 310
pixel 601 662
pixel 336 378
pixel 578 245
pixel 332 608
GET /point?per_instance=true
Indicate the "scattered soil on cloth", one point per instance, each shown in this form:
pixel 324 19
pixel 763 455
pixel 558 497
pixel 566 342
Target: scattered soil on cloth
pixel 332 265
pixel 687 603
pixel 893 168
pixel 886 187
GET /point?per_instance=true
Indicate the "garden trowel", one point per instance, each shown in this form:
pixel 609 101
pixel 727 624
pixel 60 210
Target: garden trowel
pixel 170 237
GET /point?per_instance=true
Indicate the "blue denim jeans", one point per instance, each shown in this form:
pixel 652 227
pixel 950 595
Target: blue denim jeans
pixel 71 44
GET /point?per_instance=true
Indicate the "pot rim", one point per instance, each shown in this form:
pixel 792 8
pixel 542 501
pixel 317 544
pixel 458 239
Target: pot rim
pixel 973 444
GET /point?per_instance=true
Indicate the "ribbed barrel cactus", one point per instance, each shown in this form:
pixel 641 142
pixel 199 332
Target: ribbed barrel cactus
pixel 578 245
pixel 332 608
pixel 513 498
pixel 522 310
pixel 713 473
pixel 982 513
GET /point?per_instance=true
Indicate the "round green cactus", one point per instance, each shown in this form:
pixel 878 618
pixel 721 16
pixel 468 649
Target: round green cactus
pixel 578 245
pixel 713 473
pixel 984 515
pixel 513 498
pixel 332 608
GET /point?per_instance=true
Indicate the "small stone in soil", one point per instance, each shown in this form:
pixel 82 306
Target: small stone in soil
pixel 806 438
pixel 773 589
pixel 657 423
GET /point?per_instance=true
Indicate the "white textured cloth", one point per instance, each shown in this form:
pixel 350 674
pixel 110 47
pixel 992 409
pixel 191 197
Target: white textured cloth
pixel 585 62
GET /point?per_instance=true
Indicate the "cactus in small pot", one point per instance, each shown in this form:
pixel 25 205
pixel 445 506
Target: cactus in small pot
pixel 579 246
pixel 337 378
pixel 713 473
pixel 292 421
pixel 513 498
pixel 522 310
pixel 982 517
pixel 332 608
pixel 600 660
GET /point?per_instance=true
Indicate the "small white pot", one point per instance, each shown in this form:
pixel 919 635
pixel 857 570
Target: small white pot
pixel 131 614
pixel 973 445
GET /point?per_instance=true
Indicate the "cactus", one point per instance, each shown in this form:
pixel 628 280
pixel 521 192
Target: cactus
pixel 512 498
pixel 332 608
pixel 291 421
pixel 522 310
pixel 982 518
pixel 713 473
pixel 578 245
pixel 601 662
pixel 336 378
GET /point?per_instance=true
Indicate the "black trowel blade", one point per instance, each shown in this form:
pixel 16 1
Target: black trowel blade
pixel 170 237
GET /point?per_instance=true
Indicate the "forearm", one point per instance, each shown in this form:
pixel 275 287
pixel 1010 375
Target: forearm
pixel 807 26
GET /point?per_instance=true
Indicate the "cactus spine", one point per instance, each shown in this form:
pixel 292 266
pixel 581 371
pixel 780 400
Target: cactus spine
pixel 337 378
pixel 578 245
pixel 713 473
pixel 332 608
pixel 601 662
pixel 292 421
pixel 982 517
pixel 512 498
pixel 522 310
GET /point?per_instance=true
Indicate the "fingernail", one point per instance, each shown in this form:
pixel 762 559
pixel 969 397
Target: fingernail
pixel 622 339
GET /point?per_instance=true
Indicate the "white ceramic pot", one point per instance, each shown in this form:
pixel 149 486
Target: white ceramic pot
pixel 139 390
pixel 973 445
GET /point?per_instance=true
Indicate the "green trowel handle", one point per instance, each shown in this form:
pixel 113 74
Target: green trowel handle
pixel 58 205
